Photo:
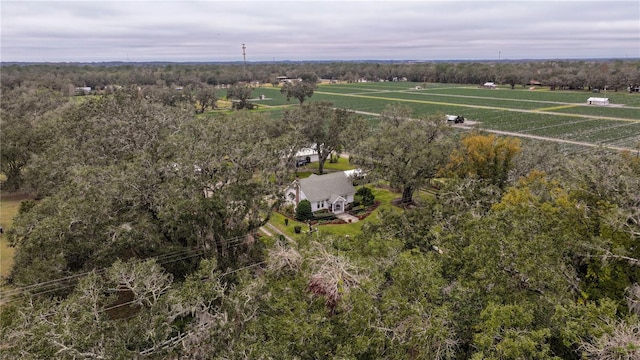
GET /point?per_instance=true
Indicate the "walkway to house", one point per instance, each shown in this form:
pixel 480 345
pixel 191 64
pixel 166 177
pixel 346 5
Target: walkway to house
pixel 347 218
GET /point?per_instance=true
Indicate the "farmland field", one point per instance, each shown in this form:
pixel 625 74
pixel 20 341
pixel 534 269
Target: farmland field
pixel 558 115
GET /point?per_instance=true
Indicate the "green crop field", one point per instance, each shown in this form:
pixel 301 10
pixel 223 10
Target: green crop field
pixel 562 115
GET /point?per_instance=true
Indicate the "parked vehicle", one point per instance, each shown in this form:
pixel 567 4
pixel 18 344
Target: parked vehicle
pixel 455 118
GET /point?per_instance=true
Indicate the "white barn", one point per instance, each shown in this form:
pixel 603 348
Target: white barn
pixel 598 101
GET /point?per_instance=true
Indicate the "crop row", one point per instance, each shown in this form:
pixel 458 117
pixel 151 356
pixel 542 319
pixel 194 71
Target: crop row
pixel 604 134
pixel 465 100
pixel 577 97
pixel 560 129
pixel 536 123
pixel 610 111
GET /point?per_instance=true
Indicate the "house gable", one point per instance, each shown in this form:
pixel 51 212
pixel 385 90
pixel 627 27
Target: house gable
pixel 321 187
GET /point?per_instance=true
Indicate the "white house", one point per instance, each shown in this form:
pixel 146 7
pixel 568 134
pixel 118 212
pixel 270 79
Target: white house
pixel 489 85
pixel 598 101
pixel 330 191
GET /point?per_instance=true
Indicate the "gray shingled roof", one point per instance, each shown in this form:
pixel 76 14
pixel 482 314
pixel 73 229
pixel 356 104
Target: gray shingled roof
pixel 321 187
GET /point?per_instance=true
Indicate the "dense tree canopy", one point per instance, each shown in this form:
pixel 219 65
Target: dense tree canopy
pixel 141 242
pixel 127 178
pixel 302 89
pixel 325 129
pixel 240 94
pixel 485 157
pixel 406 151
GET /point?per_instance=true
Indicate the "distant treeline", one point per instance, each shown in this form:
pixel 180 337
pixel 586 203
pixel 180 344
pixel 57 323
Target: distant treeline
pixel 615 75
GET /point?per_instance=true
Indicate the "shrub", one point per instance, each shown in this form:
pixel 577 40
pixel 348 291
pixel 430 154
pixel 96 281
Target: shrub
pixel 288 210
pixel 303 211
pixel 297 229
pixel 366 196
pixel 324 216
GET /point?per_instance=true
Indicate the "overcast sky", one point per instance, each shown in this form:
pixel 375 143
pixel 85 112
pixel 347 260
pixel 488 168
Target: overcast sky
pixel 95 31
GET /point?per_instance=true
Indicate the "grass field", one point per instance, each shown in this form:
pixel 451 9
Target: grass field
pixel 560 115
pixel 9 205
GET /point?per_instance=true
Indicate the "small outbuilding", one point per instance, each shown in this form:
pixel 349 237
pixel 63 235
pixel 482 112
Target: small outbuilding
pixel 309 155
pixel 598 101
pixel 489 85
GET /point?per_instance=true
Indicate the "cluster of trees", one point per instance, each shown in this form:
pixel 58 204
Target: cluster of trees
pixel 566 74
pixel 142 242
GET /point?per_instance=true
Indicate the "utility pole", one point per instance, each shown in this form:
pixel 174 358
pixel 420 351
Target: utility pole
pixel 244 60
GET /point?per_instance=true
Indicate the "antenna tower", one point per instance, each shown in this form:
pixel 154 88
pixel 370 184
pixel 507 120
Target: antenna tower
pixel 244 59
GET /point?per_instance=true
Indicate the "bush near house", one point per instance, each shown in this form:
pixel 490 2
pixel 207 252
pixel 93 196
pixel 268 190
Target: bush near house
pixel 324 215
pixel 365 196
pixel 303 211
pixel 362 207
pixel 362 211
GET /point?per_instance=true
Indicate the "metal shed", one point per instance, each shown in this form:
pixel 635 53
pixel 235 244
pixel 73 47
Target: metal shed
pixel 598 101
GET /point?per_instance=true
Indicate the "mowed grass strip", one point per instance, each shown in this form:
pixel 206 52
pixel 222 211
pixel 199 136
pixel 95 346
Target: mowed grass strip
pixel 556 107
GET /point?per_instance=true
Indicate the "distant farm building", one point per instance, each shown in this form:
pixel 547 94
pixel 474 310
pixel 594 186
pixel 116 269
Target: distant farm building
pixel 534 83
pixel 82 90
pixel 598 101
pixel 489 85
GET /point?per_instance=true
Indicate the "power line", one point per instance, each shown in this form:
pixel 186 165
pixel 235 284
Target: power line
pixel 59 284
pixel 169 343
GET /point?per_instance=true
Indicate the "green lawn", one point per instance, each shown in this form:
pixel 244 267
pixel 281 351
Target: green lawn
pixel 312 168
pixel 342 165
pixel 384 196
pixel 9 205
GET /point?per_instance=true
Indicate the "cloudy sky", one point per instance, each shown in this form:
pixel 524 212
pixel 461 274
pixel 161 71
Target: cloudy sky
pixel 161 30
